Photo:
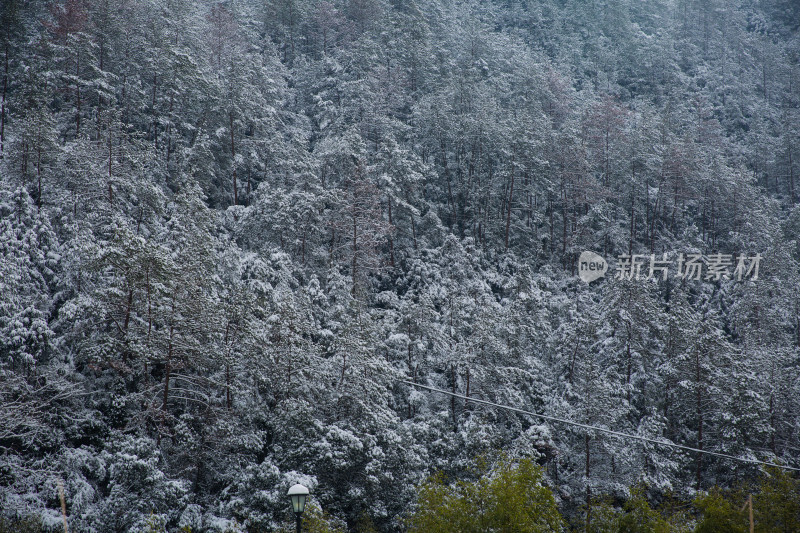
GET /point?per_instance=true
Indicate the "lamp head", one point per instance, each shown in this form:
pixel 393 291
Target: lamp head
pixel 298 493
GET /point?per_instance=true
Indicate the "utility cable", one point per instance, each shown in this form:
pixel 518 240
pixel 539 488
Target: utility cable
pixel 595 428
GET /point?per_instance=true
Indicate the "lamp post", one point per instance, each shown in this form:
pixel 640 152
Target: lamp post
pixel 298 493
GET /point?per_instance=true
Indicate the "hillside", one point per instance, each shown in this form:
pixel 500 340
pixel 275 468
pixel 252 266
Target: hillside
pixel 231 230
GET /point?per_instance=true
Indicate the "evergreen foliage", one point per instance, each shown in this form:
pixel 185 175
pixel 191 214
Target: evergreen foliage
pixel 229 229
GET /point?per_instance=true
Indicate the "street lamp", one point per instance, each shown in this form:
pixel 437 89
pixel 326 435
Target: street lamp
pixel 298 493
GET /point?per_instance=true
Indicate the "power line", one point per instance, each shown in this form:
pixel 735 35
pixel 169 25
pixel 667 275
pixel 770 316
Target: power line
pixel 595 428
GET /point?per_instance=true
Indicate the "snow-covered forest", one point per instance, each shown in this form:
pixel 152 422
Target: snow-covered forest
pixel 231 229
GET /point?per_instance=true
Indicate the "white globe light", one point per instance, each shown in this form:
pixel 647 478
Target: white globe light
pixel 298 493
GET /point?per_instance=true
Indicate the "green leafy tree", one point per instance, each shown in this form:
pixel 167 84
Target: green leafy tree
pixel 511 497
pixel 777 506
pixel 719 515
pixel 640 517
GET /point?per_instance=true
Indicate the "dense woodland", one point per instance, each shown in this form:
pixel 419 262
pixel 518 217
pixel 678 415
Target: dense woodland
pixel 230 229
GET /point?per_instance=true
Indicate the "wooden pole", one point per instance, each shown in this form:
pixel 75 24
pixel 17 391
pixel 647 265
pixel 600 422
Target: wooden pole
pixel 749 505
pixel 63 504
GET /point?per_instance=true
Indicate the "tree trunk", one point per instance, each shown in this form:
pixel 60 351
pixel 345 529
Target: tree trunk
pixel 414 230
pixel 391 241
pixel 78 95
pixel 630 363
pixel 128 307
pixel 791 177
pixel 798 329
pixel 633 223
pixel 564 215
pixel 227 368
pixel 303 241
pixel 552 224
pixel 168 366
pixel 39 175
pixel 355 252
pixel 410 367
pixel 588 486
pixel 149 304
pixel 453 398
pixel 772 422
pixel 110 160
pixel 699 415
pixel 508 213
pixel 233 161
pixel 572 361
pixel 3 104
pixel 153 105
pixel 450 198
pixel 647 210
pixel 228 398
pixel 169 129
